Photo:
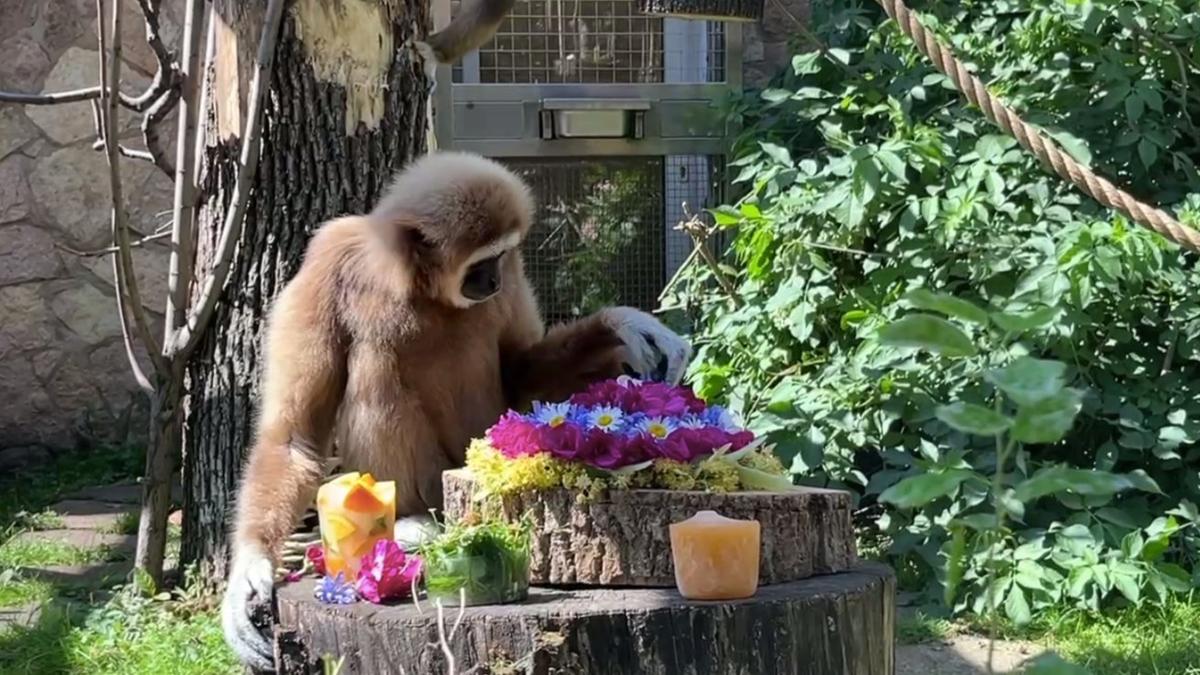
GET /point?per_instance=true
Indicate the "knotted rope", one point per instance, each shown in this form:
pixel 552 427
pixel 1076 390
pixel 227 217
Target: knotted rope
pixel 1032 139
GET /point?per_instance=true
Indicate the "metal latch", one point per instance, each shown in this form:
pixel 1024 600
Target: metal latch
pixel 593 118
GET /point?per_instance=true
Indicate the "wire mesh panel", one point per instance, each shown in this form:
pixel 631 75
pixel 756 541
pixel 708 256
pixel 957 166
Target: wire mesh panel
pixel 591 42
pixel 601 236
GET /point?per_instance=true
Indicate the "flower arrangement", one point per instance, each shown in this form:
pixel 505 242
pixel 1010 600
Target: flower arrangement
pixel 386 573
pixel 624 433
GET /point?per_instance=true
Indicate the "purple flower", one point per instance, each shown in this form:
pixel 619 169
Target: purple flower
pixel 604 450
pixel 514 436
pixel 335 590
pixel 564 441
pixel 316 557
pixel 604 393
pixel 387 572
pixel 656 398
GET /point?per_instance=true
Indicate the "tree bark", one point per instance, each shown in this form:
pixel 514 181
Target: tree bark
pixel 621 538
pixel 346 109
pixel 165 439
pixel 839 624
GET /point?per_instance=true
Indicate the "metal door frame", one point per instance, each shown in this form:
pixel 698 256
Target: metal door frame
pixel 678 121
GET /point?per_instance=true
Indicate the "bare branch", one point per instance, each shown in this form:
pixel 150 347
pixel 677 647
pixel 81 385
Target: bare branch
pixel 152 130
pixel 98 144
pixel 189 334
pixel 126 281
pixel 179 276
pixel 73 96
pixel 136 243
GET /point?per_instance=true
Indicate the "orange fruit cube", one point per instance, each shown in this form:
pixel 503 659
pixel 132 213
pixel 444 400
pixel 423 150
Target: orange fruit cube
pixel 362 499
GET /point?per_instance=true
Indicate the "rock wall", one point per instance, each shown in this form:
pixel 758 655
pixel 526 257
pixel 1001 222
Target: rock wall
pixel 768 44
pixel 64 378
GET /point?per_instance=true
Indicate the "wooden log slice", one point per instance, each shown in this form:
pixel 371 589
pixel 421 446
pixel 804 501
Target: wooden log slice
pixel 841 624
pixel 713 10
pixel 621 538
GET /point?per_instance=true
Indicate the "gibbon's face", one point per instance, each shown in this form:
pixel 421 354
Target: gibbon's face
pixel 481 276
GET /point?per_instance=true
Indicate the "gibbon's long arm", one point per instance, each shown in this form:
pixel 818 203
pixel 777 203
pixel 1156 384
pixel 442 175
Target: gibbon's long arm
pixel 303 382
pixel 552 365
pixel 476 22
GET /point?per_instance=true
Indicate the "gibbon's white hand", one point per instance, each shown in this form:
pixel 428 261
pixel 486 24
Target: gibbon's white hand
pixel 251 580
pixel 655 351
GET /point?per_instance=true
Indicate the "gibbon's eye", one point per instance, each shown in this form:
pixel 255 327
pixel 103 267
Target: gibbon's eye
pixel 482 279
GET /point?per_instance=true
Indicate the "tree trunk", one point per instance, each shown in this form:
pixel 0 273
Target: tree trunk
pixel 164 444
pixel 838 624
pixel 346 109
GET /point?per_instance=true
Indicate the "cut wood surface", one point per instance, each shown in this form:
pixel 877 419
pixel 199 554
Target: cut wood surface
pixel 839 624
pixel 621 538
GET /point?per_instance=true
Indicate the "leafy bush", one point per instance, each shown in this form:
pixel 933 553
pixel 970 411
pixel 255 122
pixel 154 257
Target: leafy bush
pixel 868 177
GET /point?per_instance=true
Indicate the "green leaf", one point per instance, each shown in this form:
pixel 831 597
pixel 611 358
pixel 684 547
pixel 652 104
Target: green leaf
pixel 973 419
pixel 893 164
pixel 1048 420
pixel 777 152
pixel 754 479
pixel 1128 586
pixel 923 331
pixel 954 564
pixel 949 305
pixel 1085 482
pixel 1028 380
pixel 1147 152
pixel 917 491
pixel 630 469
pixel 1023 323
pixel 806 64
pixel 1016 607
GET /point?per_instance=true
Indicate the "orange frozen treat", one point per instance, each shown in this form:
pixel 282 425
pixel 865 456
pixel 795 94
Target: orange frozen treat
pixel 355 511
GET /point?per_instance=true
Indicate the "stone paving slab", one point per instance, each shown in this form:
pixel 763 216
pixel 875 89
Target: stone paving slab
pixel 120 493
pixel 86 539
pixel 81 514
pixel 91 577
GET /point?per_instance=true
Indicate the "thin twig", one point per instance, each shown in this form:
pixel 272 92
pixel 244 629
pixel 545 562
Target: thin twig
pixel 699 234
pixel 179 275
pixel 188 336
pixel 124 151
pixel 105 113
pixel 444 640
pixel 136 243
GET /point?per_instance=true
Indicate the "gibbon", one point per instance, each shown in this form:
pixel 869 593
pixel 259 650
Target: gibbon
pixel 404 334
pixel 475 23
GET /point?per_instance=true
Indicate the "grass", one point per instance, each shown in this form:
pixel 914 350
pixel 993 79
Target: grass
pixel 16 553
pixel 119 641
pixel 125 523
pixel 912 629
pixel 32 490
pixel 16 591
pixel 1136 641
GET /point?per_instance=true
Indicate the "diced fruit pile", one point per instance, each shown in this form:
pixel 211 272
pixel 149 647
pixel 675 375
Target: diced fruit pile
pixel 355 511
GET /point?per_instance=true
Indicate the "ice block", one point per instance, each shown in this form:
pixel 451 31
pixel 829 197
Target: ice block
pixel 354 512
pixel 716 558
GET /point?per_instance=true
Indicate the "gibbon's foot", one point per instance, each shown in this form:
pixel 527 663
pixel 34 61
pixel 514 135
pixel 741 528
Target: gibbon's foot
pixel 413 531
pixel 655 351
pixel 251 582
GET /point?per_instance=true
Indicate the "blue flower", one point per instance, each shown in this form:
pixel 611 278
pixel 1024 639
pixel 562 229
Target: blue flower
pixel 606 418
pixel 631 424
pixel 657 427
pixel 335 590
pixel 720 417
pixel 690 421
pixel 553 414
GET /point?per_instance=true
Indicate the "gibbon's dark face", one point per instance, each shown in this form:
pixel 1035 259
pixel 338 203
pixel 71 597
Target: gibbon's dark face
pixel 482 279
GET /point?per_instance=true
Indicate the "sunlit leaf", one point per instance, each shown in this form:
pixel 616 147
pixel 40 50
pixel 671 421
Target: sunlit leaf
pixel 1049 419
pixel 1055 479
pixel 916 491
pixel 1028 380
pixel 973 419
pixel 1023 323
pixel 949 305
pixel 923 331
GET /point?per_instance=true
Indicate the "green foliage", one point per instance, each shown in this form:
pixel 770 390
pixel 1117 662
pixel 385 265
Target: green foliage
pixel 880 206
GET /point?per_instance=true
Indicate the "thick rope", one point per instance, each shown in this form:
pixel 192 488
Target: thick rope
pixel 1100 189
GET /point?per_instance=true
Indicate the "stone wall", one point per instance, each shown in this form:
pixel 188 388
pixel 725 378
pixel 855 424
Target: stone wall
pixel 767 44
pixel 64 378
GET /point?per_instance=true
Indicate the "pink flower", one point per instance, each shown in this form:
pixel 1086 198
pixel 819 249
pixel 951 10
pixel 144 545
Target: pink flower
pixel 514 436
pixel 604 450
pixel 316 557
pixel 387 572
pixel 564 441
pixel 605 393
pixel 740 439
pixel 700 441
pixel 657 399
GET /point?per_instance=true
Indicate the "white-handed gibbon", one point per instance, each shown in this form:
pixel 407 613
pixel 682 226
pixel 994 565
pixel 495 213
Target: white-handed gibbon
pixel 406 333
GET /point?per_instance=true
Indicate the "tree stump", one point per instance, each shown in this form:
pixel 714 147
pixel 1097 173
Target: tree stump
pixel 621 538
pixel 840 624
